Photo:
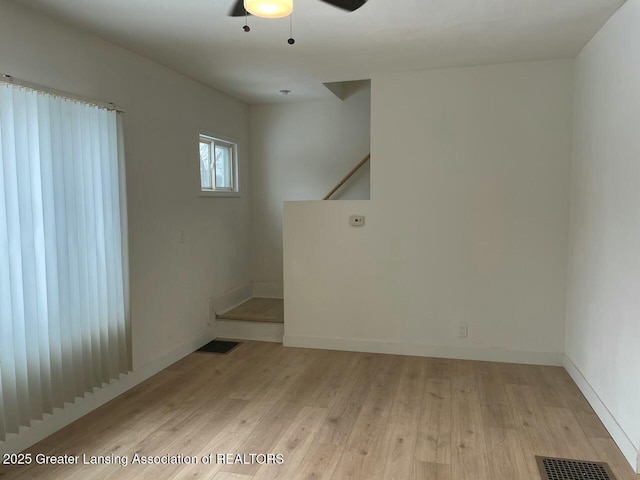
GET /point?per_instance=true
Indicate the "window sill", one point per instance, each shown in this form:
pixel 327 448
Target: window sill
pixel 219 194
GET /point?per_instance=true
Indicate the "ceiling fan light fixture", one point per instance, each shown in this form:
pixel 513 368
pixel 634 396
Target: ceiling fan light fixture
pixel 269 8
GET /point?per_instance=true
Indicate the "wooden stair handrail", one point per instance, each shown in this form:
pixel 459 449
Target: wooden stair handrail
pixel 347 176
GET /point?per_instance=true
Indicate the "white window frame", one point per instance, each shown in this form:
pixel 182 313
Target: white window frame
pixel 216 139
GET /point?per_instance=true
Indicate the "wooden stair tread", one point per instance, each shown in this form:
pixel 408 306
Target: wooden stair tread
pixel 257 310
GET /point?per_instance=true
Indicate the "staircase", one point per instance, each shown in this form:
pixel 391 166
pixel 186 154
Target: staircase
pixel 257 310
pixel 347 177
pixel 263 318
pixel 256 319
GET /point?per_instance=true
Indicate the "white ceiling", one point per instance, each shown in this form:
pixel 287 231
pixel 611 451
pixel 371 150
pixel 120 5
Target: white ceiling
pixel 197 38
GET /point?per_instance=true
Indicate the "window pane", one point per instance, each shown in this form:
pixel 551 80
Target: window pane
pixel 64 313
pixel 205 166
pixel 223 167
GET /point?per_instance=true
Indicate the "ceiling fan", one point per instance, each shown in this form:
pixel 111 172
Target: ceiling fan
pixel 282 8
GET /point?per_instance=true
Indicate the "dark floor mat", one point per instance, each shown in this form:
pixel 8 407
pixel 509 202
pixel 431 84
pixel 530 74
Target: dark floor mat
pixel 219 346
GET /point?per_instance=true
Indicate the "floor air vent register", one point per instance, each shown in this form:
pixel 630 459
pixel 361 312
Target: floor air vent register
pixel 563 469
pixel 219 346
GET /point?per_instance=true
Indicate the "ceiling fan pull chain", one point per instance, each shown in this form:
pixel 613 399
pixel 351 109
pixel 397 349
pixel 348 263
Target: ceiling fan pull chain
pixel 246 27
pixel 291 40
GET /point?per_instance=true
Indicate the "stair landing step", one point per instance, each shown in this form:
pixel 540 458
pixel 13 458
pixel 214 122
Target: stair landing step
pixel 257 310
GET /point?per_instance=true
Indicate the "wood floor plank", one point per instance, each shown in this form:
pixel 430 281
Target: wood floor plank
pixel 231 476
pixel 319 463
pixel 337 415
pixel 591 425
pixel 399 439
pixel 531 425
pixel 490 384
pixel 464 380
pixel 291 401
pixel 348 403
pixel 507 460
pixel 569 391
pixel 350 466
pixel 433 444
pixel 200 427
pixel 439 368
pixel 497 415
pixel 294 444
pixel 513 373
pixel 376 408
pixel 334 377
pixel 123 413
pixel 430 471
pixel 545 388
pixel 204 388
pixel 223 443
pixel 268 398
pixel 607 451
pixel 568 437
pixel 265 434
pixel 365 442
pixel 303 390
pixel 258 375
pixel 468 445
pixel 233 437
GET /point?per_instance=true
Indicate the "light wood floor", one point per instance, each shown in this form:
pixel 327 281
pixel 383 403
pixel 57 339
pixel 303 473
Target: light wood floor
pixel 258 310
pixel 339 415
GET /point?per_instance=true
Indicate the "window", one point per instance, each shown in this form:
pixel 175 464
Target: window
pixel 218 166
pixel 64 308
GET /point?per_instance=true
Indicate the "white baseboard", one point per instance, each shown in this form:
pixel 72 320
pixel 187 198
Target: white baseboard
pixel 268 290
pixel 618 434
pixel 227 301
pixel 422 350
pixel 73 411
pixel 241 330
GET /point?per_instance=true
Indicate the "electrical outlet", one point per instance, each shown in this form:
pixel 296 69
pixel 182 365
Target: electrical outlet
pixel 463 330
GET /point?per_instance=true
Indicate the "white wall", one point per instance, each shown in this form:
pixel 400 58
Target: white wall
pixel 603 311
pixel 299 152
pixel 468 221
pixel 170 282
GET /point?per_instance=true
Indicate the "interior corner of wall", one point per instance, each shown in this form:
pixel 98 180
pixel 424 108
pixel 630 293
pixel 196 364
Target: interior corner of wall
pixel 228 300
pixel 268 289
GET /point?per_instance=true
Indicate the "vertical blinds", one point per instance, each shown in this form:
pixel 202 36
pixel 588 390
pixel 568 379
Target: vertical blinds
pixel 64 313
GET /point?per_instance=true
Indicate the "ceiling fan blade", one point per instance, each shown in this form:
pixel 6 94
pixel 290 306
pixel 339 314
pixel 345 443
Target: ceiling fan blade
pixel 350 5
pixel 238 9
